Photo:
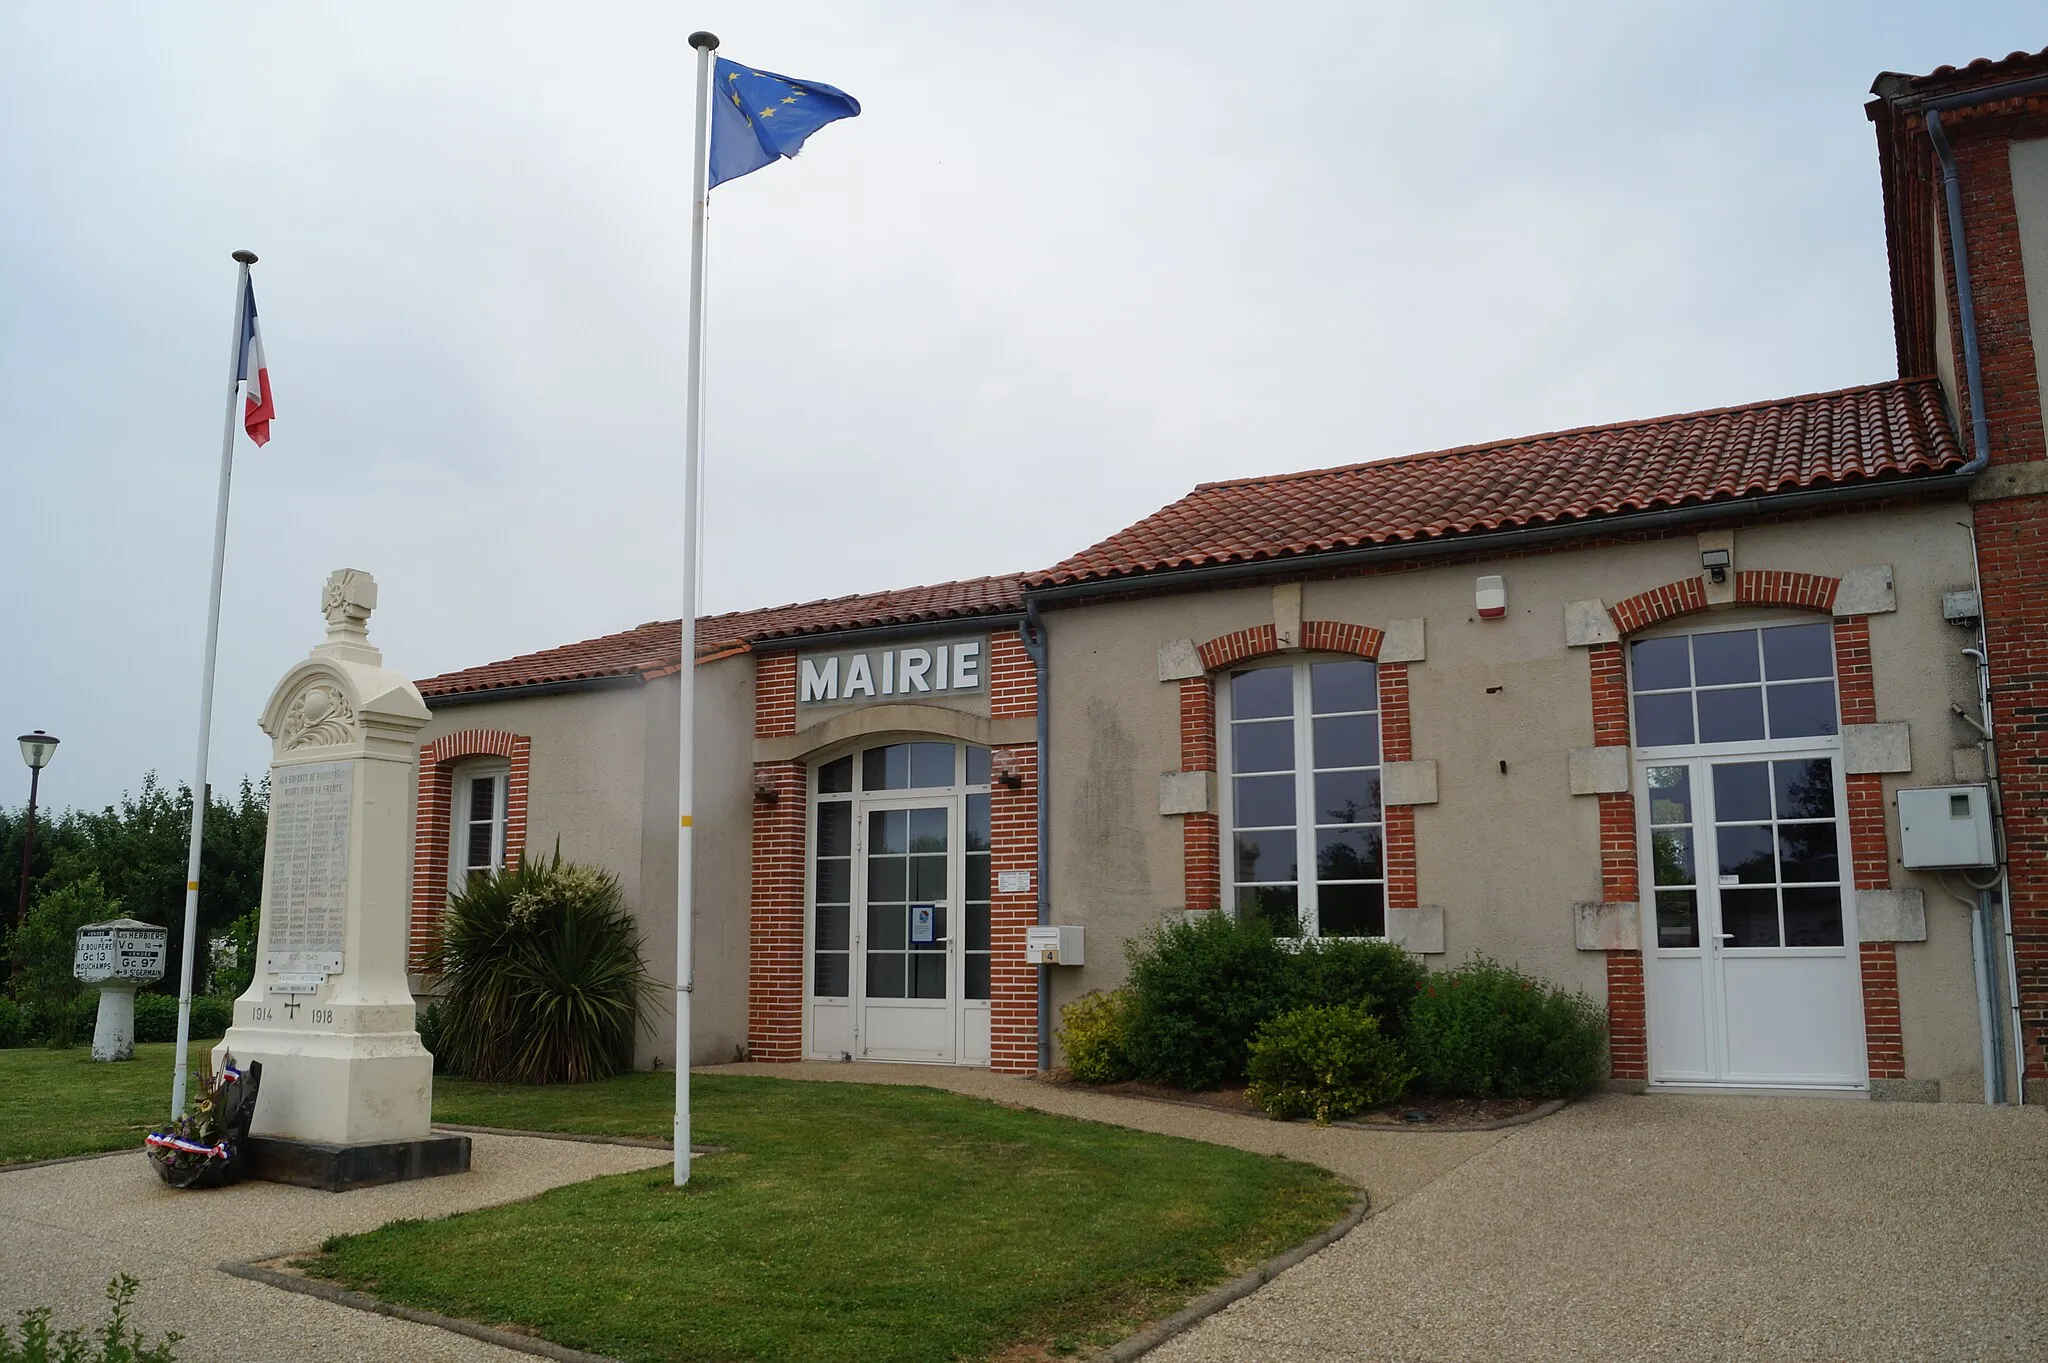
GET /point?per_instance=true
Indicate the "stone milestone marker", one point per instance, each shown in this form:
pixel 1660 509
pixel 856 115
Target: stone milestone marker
pixel 347 1086
pixel 118 955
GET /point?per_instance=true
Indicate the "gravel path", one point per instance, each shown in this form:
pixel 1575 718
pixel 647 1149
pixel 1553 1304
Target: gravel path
pixel 65 1229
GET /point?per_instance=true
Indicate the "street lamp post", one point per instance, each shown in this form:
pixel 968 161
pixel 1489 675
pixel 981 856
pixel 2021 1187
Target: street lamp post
pixel 36 749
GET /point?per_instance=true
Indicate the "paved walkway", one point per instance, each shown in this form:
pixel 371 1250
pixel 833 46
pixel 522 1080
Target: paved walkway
pixel 1621 1228
pixel 65 1229
pixel 1632 1228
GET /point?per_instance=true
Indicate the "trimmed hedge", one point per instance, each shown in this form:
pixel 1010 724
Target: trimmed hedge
pixel 1326 1062
pixel 1202 987
pixel 1486 1030
pixel 156 1017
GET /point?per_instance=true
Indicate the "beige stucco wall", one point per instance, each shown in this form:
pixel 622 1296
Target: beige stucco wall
pixel 602 782
pixel 1506 854
pixel 2030 205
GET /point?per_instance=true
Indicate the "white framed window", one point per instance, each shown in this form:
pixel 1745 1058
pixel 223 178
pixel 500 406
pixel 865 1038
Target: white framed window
pixel 1760 685
pixel 1304 843
pixel 476 834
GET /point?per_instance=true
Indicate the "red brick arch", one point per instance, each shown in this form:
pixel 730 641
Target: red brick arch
pixel 1202 834
pixel 433 810
pixel 1618 853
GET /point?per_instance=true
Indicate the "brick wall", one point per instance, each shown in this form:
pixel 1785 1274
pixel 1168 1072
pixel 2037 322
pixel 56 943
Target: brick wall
pixel 433 812
pixel 1627 1024
pixel 775 927
pixel 2012 534
pixel 1013 846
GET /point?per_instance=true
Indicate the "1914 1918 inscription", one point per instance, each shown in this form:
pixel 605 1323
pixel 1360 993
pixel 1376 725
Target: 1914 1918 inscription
pixel 309 809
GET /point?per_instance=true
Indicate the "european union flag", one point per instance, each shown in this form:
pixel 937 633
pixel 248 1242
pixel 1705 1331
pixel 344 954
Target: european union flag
pixel 757 116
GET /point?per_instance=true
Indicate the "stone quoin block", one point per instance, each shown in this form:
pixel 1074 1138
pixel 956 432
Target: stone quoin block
pixel 1408 783
pixel 1587 623
pixel 1287 615
pixel 1178 660
pixel 1891 915
pixel 1866 591
pixel 1420 930
pixel 1598 771
pixel 1871 748
pixel 1607 927
pixel 1403 641
pixel 1187 792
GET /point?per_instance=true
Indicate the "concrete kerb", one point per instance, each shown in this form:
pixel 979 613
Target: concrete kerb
pixel 328 1292
pixel 65 1159
pixel 1152 1336
pixel 636 1142
pixel 1534 1114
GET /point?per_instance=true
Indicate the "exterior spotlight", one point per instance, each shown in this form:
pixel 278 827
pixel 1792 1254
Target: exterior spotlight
pixel 1715 561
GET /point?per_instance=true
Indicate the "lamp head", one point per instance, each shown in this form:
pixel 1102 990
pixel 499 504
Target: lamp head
pixel 37 749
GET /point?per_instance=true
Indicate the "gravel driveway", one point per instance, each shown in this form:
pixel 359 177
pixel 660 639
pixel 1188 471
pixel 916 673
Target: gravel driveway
pixel 1688 1228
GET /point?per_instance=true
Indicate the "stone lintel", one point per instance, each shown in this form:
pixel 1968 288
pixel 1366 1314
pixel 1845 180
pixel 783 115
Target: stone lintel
pixel 1612 926
pixel 1178 660
pixel 1287 614
pixel 1402 641
pixel 1408 783
pixel 1187 792
pixel 1587 623
pixel 1866 591
pixel 1418 930
pixel 1871 748
pixel 1891 915
pixel 1598 771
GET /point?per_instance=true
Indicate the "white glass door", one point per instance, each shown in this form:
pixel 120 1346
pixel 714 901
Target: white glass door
pixel 1749 933
pixel 909 959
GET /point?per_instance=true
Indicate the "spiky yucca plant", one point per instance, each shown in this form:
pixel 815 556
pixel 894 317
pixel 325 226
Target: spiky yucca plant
pixel 542 977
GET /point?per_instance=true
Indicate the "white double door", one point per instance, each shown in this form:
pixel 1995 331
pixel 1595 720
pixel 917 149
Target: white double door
pixel 1749 931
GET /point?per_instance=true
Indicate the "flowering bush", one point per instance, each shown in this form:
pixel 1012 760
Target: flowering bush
pixel 542 981
pixel 1325 1063
pixel 1487 1030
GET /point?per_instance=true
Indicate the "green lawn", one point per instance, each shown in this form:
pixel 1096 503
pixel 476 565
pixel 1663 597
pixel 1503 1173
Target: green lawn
pixel 63 1103
pixel 843 1221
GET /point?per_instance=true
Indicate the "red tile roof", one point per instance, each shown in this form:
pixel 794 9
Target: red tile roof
pixel 1883 431
pixel 653 649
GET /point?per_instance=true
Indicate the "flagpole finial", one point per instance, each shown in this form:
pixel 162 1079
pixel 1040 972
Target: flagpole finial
pixel 246 257
pixel 701 39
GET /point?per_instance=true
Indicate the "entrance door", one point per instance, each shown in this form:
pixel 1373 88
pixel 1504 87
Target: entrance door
pixel 910 964
pixel 1749 931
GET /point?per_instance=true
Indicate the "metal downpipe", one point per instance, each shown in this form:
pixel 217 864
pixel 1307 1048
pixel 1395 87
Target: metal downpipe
pixel 1966 303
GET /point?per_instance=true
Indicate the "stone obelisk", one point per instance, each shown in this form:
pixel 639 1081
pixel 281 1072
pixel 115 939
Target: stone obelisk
pixel 347 1089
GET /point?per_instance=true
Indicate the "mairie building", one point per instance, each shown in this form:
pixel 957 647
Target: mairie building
pixel 1736 719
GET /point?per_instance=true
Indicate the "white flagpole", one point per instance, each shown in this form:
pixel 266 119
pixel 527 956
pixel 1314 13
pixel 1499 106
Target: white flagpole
pixel 700 204
pixel 220 552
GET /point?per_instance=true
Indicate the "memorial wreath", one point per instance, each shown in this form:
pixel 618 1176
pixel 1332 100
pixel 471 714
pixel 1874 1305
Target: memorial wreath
pixel 204 1147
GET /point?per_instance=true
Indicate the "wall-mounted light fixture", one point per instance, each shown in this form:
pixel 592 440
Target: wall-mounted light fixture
pixel 1716 562
pixel 766 793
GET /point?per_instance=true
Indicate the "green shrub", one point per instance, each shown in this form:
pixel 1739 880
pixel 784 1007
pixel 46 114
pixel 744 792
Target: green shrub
pixel 47 990
pixel 1486 1030
pixel 32 1340
pixel 1095 1037
pixel 1338 971
pixel 1200 989
pixel 13 1026
pixel 427 1022
pixel 156 1017
pixel 541 974
pixel 1325 1063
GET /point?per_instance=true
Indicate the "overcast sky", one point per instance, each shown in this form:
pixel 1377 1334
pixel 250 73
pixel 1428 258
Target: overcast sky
pixel 1072 259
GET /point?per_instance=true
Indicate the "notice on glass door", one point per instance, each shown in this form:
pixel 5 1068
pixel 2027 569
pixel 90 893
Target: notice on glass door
pixel 921 922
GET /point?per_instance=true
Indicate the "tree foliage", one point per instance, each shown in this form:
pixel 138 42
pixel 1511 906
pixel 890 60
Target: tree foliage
pixel 137 851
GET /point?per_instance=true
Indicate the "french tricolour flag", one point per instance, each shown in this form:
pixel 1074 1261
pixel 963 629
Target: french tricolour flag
pixel 251 370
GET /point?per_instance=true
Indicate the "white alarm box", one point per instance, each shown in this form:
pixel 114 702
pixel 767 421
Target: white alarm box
pixel 1053 944
pixel 1945 826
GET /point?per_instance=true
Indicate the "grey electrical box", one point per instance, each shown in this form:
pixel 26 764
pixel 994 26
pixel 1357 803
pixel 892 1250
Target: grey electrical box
pixel 1961 607
pixel 1945 827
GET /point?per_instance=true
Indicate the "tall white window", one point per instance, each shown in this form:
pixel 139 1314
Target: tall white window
pixel 1304 841
pixel 476 836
